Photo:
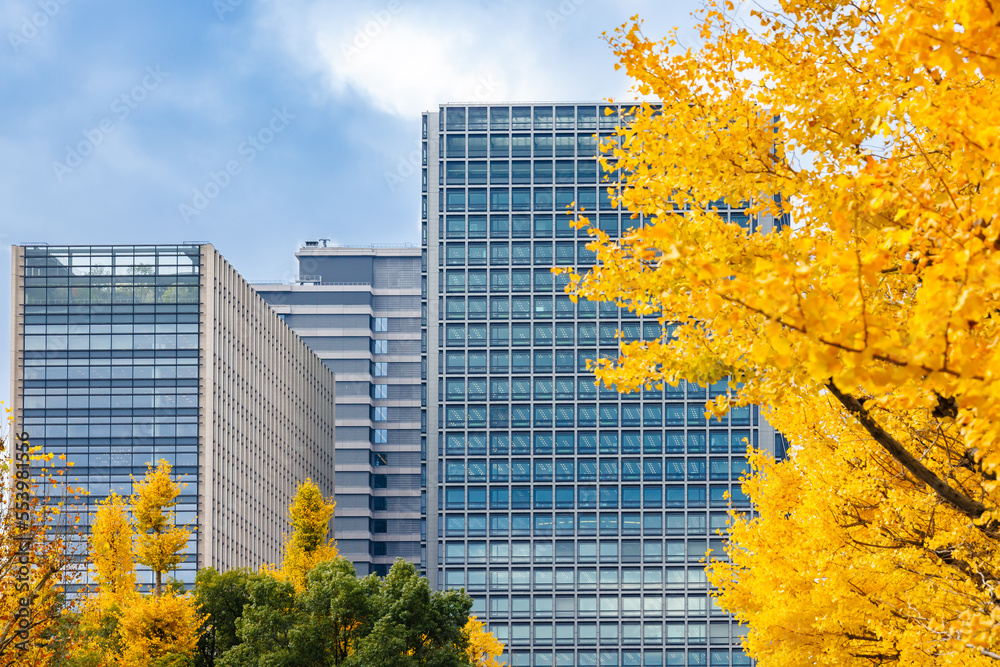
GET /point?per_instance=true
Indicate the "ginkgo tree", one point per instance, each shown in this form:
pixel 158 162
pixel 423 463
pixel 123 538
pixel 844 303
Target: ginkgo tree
pixel 859 306
pixel 310 543
pixel 119 624
pixel 38 554
pixel 484 650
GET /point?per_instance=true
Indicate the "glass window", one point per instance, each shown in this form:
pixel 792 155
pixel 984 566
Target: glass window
pixel 586 172
pixel 499 172
pixel 477 145
pixel 499 145
pixel 477 199
pixel 477 230
pixel 498 498
pixel 499 199
pixel 455 145
pixel 455 173
pixel 543 145
pixel 520 199
pixel 499 253
pixel 477 251
pixel 520 145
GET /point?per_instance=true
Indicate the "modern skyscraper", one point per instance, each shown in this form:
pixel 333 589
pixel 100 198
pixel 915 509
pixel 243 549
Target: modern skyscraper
pixel 358 309
pixel 125 355
pixel 576 517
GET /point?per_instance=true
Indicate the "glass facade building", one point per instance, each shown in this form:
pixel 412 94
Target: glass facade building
pixel 358 309
pixel 126 355
pixel 576 517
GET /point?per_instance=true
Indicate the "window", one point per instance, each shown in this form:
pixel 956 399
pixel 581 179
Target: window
pixel 499 145
pixel 499 199
pixel 380 324
pixel 455 144
pixel 455 172
pixel 499 471
pixel 499 172
pixel 477 173
pixel 498 498
pixel 477 145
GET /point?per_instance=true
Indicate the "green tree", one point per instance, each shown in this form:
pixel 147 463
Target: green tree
pixel 427 625
pixel 340 620
pixel 221 598
pixel 265 624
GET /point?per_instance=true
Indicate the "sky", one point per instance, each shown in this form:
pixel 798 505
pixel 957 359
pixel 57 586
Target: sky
pixel 256 125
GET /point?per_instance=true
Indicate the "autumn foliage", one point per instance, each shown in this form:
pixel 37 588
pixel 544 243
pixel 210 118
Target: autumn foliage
pixel 37 553
pixel 484 649
pixel 118 624
pixel 861 311
pixel 309 543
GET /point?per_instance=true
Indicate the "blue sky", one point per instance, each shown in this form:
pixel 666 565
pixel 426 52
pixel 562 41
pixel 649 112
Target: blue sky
pixel 258 124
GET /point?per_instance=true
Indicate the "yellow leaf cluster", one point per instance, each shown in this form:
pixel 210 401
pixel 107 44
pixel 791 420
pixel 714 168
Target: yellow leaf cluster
pixel 484 650
pixel 155 626
pixel 309 544
pixel 37 554
pixel 862 137
pixel 159 541
pixel 118 625
pixel 111 553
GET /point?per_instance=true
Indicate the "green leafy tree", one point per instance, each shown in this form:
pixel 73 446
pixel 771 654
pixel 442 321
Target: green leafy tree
pixel 221 598
pixel 264 627
pixel 340 620
pixel 427 625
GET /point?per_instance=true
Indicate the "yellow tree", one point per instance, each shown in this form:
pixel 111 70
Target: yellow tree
pixel 309 544
pixel 112 561
pixel 119 625
pixel 36 552
pixel 159 540
pixel 866 327
pixel 484 649
pixel 111 552
pixel 162 628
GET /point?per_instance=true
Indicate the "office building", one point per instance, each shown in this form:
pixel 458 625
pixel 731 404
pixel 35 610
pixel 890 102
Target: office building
pixel 126 355
pixel 576 517
pixel 358 309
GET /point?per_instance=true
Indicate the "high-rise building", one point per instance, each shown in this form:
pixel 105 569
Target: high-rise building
pixel 578 518
pixel 126 355
pixel 358 309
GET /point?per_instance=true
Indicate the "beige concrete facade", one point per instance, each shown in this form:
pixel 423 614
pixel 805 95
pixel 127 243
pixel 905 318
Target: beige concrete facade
pixel 266 421
pixel 125 355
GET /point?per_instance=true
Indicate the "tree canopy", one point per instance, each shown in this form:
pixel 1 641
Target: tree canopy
pixel 863 138
pixel 309 543
pixel 119 625
pixel 38 557
pixel 337 619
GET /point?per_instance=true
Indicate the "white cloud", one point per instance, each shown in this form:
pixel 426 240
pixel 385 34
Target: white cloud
pixel 404 59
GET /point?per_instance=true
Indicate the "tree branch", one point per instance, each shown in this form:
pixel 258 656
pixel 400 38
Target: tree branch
pixel 967 506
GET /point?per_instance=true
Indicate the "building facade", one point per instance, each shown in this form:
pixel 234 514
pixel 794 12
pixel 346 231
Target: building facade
pixel 126 355
pixel 577 517
pixel 358 309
